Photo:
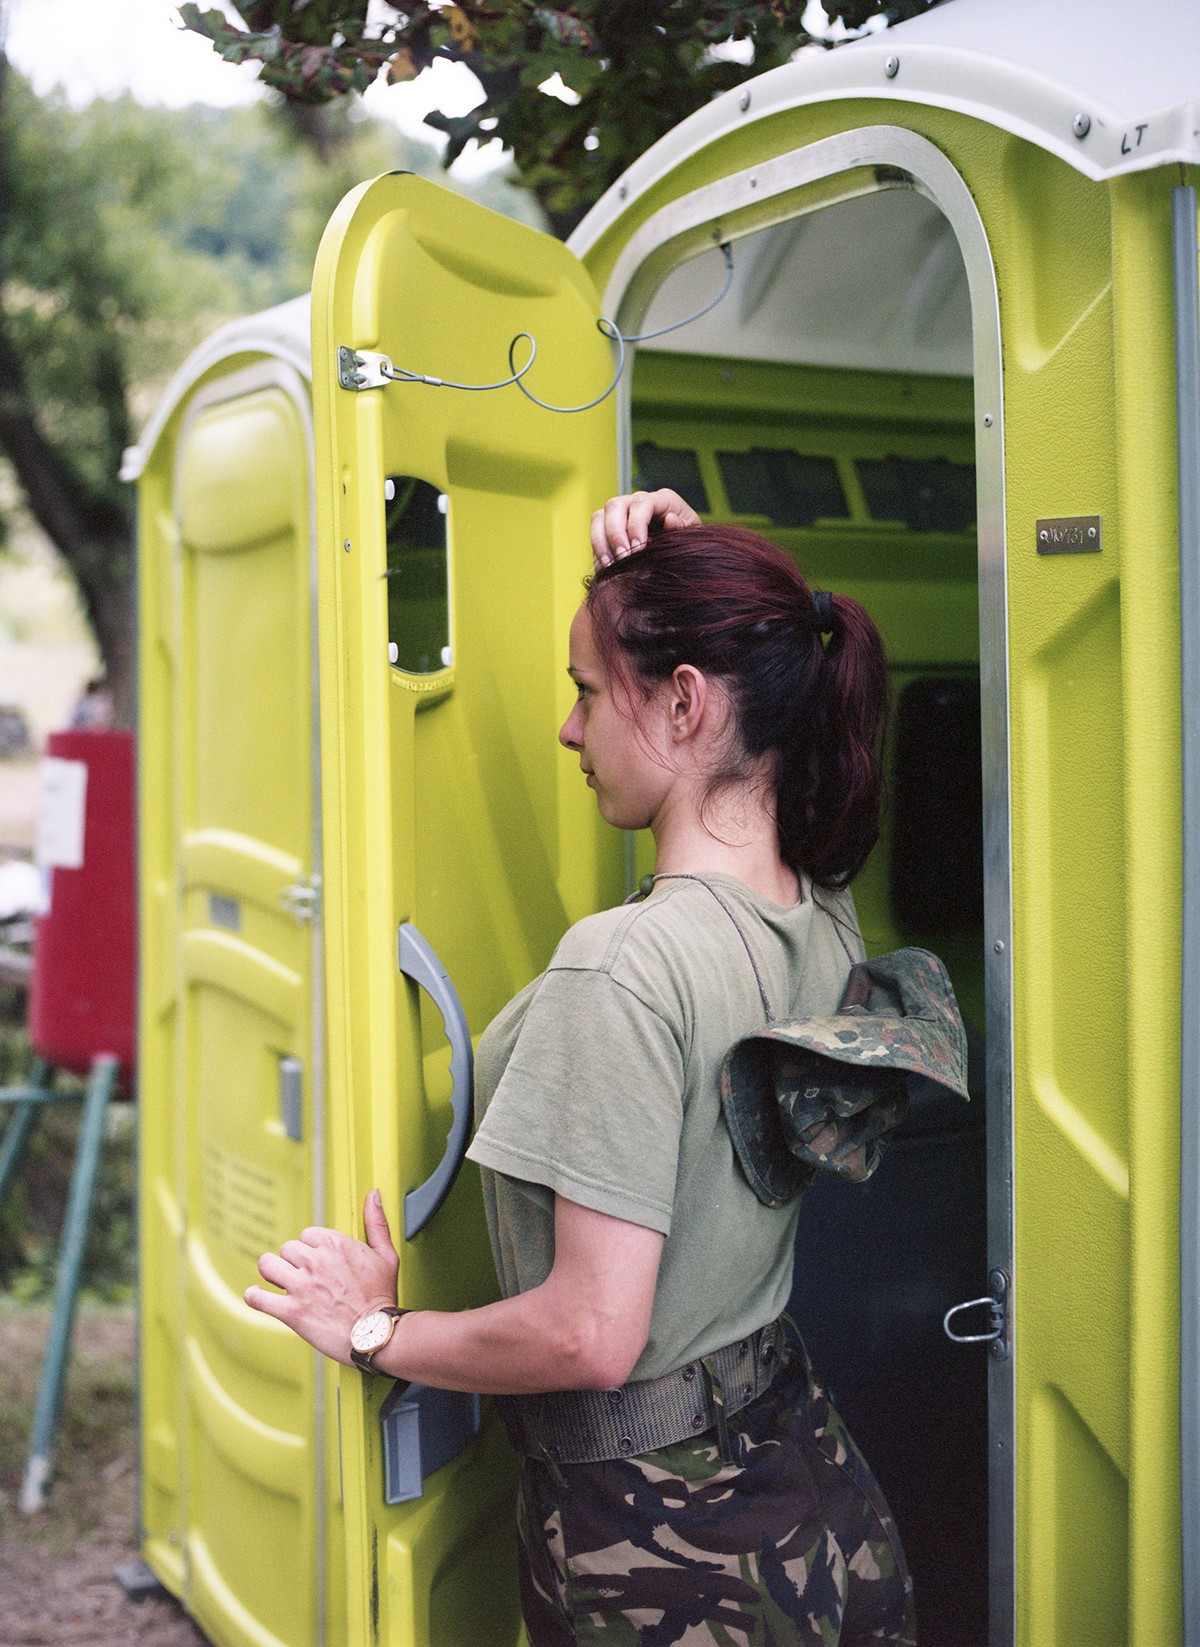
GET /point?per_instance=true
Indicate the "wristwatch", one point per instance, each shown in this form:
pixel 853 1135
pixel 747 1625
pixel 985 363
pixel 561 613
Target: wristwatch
pixel 370 1333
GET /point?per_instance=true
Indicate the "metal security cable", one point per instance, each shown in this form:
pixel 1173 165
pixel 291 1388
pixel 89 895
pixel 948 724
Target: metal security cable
pixel 607 328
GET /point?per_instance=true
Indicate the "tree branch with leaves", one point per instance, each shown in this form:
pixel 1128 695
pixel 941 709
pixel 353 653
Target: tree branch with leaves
pixel 629 70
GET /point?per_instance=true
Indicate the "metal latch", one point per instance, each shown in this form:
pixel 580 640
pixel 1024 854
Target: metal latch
pixel 362 368
pixel 301 900
pixel 996 1303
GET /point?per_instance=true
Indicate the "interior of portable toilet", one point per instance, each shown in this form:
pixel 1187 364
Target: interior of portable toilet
pixel 907 378
pixel 990 214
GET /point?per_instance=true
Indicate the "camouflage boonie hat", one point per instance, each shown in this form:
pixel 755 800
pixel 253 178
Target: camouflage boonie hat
pixel 807 1095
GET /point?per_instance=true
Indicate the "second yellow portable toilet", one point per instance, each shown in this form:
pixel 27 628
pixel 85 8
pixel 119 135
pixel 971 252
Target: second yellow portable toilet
pixel 238 1425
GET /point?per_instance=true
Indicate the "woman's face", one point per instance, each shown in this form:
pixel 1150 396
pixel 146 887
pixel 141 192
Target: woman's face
pixel 620 742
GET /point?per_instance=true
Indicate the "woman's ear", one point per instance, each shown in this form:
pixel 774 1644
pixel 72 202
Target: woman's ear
pixel 690 699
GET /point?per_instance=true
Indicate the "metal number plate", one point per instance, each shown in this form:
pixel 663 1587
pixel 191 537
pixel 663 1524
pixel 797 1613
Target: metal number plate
pixel 1069 535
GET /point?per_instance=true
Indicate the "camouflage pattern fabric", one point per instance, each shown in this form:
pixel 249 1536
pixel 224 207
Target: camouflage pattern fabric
pixel 806 1095
pixel 837 1118
pixel 791 1546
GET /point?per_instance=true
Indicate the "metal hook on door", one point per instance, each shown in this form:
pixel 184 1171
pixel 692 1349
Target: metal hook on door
pixel 996 1303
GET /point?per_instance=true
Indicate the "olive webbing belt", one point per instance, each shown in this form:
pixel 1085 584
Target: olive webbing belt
pixel 588 1426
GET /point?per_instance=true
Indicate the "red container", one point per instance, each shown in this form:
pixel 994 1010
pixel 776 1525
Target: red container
pixel 83 986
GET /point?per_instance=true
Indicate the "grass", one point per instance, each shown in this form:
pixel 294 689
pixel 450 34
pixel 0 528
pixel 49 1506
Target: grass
pixel 96 1438
pixel 57 1567
pixel 31 1218
pixel 97 1430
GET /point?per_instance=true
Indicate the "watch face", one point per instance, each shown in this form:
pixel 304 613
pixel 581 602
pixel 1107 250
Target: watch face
pixel 370 1331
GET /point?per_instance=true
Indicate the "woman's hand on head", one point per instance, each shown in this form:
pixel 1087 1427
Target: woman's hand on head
pixel 329 1280
pixel 623 525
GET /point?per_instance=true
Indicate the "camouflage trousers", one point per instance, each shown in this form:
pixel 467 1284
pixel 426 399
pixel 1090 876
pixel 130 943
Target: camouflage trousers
pixel 791 1546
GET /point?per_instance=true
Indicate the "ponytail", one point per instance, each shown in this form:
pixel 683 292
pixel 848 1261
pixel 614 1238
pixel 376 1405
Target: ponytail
pixel 829 782
pixel 735 606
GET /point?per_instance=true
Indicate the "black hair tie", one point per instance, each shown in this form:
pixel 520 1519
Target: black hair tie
pixel 822 605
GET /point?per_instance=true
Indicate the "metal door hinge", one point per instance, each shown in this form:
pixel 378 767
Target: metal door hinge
pixel 997 1305
pixel 303 899
pixel 362 368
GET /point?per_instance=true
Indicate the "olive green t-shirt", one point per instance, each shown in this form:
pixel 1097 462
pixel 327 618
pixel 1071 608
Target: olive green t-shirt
pixel 600 1082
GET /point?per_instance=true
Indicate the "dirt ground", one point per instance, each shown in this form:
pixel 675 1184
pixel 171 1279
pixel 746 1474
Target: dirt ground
pixel 56 1568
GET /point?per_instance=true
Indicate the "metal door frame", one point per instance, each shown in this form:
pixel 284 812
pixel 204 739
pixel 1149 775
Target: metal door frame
pixel 1187 373
pixel 869 160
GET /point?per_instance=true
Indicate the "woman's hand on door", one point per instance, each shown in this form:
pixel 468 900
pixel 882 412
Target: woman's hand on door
pixel 328 1280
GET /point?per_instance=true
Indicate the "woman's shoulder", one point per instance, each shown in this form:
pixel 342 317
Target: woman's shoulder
pixel 600 942
pixel 672 940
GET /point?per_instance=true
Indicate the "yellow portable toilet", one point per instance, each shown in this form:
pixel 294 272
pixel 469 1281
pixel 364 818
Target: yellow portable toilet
pixel 238 1425
pixel 956 370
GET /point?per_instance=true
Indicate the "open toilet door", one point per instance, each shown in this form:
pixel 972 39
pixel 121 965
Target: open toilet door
pixel 459 840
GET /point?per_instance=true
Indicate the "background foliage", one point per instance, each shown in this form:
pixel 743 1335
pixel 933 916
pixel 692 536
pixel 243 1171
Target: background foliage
pixel 127 234
pixel 631 69
pixel 31 1219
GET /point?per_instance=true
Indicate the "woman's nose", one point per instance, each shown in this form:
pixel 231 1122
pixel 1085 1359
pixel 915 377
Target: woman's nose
pixel 568 732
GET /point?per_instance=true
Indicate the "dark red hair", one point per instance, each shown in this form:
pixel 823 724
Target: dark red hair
pixel 734 606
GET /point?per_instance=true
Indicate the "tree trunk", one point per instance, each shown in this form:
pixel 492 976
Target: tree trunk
pixel 92 531
pixel 110 608
pixel 94 536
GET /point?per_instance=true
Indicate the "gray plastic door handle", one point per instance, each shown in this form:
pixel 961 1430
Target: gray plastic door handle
pixel 418 961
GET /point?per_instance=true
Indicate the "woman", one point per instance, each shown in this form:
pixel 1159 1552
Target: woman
pixel 684 1479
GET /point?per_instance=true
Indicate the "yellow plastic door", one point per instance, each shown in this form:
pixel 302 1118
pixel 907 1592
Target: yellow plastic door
pixel 459 839
pixel 244 802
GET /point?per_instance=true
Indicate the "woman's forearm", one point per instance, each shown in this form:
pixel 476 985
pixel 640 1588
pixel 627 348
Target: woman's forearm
pixel 584 1327
pixel 536 1341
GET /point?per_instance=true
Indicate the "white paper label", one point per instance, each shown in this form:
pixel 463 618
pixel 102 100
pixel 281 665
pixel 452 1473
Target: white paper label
pixel 61 806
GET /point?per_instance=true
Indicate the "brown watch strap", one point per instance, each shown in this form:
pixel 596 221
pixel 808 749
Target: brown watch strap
pixel 365 1359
